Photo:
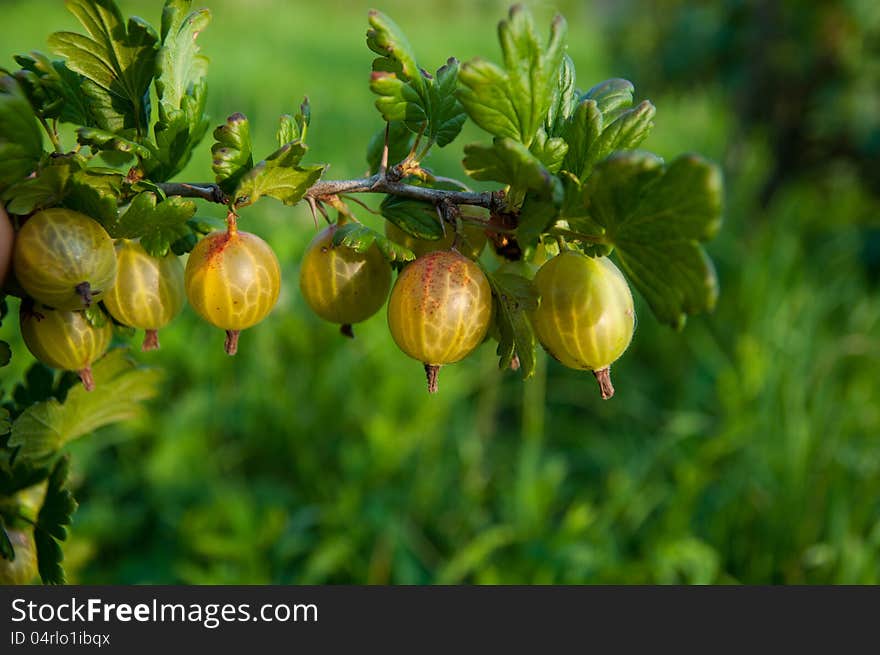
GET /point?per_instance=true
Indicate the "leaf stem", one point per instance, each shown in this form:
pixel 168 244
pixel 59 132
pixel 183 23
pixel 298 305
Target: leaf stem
pixel 53 135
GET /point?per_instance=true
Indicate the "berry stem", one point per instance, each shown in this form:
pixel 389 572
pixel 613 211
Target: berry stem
pixel 231 345
pixel 603 377
pixel 431 372
pixel 151 340
pixel 231 223
pixel 86 376
pixel 84 291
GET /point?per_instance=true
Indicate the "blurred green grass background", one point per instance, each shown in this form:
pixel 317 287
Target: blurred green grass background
pixel 744 449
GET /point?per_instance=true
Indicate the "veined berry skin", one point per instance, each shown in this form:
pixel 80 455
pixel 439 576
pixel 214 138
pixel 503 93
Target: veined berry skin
pixel 341 285
pixel 476 240
pixel 232 279
pixel 64 340
pixel 440 308
pixel 585 318
pixel 149 290
pixel 64 259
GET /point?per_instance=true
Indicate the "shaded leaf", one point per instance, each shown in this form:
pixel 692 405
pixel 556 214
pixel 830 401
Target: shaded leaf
pixel 510 162
pixel 53 89
pixel 415 217
pixel 655 216
pixel 156 224
pixel 360 238
pixel 99 139
pixel 514 296
pixel 21 142
pixel 55 514
pixel 95 192
pixel 120 389
pixel 45 190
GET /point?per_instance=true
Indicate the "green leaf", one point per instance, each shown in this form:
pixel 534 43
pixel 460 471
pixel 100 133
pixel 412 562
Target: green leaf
pixel 446 113
pixel 514 297
pixel 510 162
pixel 46 190
pixel 53 89
pixel 294 128
pixel 120 389
pixel 655 216
pixel 550 151
pixel 21 142
pixel 37 386
pixel 117 60
pixel 514 101
pixel 55 514
pixel 7 552
pixel 5 358
pixel 564 98
pixel 602 124
pixel 611 97
pixel 582 132
pixel 180 88
pixel 400 142
pixel 360 238
pixel 232 151
pixel 536 216
pixel 156 224
pixel 99 139
pixel 627 131
pixel 415 217
pixel 279 176
pixel 386 39
pixel 95 192
pixel 425 104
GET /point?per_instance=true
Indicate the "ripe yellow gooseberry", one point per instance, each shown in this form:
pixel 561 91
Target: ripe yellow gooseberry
pixel 439 310
pixel 64 259
pixel 64 340
pixel 342 285
pixel 585 317
pixel 475 239
pixel 232 280
pixel 148 292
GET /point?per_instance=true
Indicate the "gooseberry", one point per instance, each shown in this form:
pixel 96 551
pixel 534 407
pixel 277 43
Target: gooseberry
pixel 65 340
pixel 22 569
pixel 148 292
pixel 585 317
pixel 232 280
pixel 340 284
pixel 439 310
pixel 474 240
pixel 64 259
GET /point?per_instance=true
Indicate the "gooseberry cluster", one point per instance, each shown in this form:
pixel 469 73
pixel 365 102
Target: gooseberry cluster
pixel 76 281
pixel 441 306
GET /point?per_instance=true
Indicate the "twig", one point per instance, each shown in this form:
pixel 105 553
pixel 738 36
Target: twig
pixel 324 189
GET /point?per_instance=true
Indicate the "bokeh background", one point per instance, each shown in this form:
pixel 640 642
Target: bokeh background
pixel 744 449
